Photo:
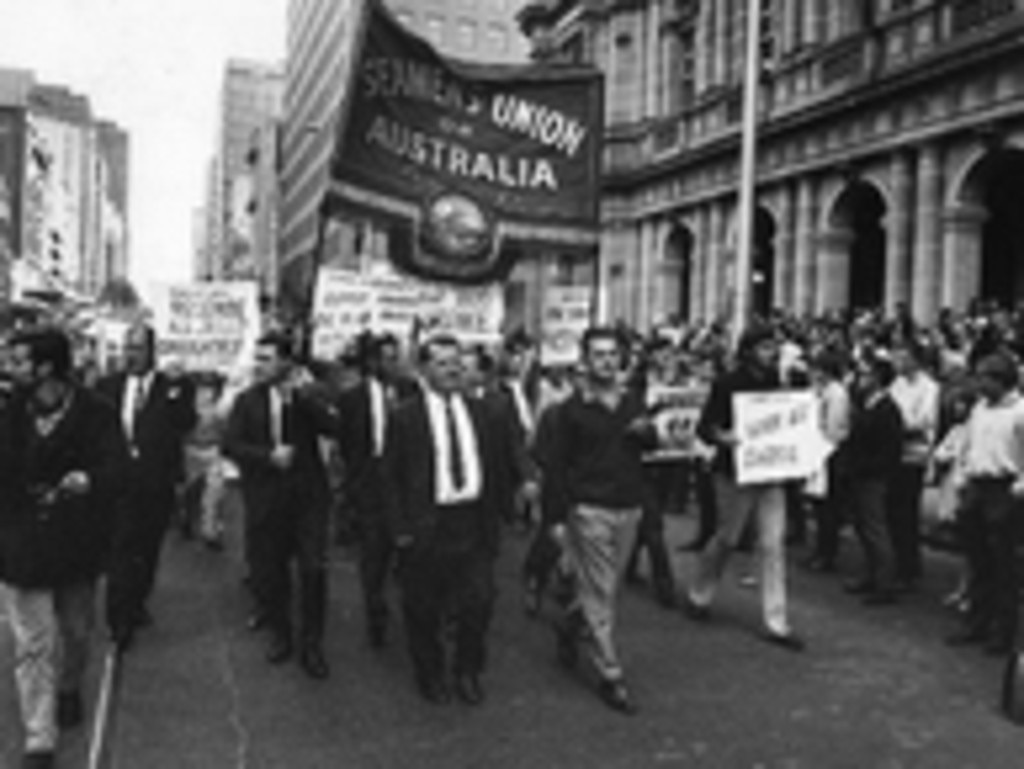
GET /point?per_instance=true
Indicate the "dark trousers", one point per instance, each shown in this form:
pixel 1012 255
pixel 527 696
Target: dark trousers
pixel 905 520
pixel 651 532
pixel 831 513
pixel 869 497
pixel 438 586
pixel 990 528
pixel 140 524
pixel 376 558
pixel 541 559
pixel 287 536
pixel 707 508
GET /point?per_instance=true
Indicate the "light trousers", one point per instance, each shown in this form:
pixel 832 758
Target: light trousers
pixel 51 629
pixel 598 545
pixel 736 505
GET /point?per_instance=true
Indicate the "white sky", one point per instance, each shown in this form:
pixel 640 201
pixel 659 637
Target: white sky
pixel 154 67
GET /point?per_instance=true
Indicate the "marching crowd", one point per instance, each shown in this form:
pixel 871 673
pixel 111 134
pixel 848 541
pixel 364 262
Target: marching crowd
pixel 424 456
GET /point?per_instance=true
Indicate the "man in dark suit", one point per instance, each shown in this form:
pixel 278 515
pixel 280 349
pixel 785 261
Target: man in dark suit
pixel 364 417
pixel 441 491
pixel 157 410
pixel 273 436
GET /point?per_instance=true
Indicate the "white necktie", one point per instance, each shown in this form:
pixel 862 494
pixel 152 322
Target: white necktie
pixel 377 416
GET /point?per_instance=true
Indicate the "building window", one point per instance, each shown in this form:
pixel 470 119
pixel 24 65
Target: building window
pixel 769 36
pixel 572 50
pixel 435 29
pixel 679 81
pixel 467 34
pixel 497 39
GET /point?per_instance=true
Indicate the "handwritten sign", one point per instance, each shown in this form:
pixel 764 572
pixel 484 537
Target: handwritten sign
pixel 676 411
pixel 566 317
pixel 780 437
pixel 206 326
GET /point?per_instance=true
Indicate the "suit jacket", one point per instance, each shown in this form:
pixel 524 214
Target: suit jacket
pixel 874 446
pixel 355 440
pixel 408 477
pixel 161 426
pixel 45 542
pixel 248 441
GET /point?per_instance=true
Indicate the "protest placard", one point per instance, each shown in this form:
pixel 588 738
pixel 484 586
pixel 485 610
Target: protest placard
pixel 779 436
pixel 675 410
pixel 566 316
pixel 206 326
pixel 344 306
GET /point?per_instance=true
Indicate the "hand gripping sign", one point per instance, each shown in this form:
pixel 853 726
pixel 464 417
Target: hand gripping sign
pixel 780 438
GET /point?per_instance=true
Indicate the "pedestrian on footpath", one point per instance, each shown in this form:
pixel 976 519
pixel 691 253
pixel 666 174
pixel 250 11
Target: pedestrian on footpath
pixel 273 436
pixel 756 370
pixel 873 451
pixel 917 395
pixel 596 486
pixel 157 411
pixel 442 494
pixel 990 513
pixel 365 412
pixel 62 465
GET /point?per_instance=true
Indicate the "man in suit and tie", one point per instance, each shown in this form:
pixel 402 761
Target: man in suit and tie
pixel 157 410
pixel 273 436
pixel 364 417
pixel 442 496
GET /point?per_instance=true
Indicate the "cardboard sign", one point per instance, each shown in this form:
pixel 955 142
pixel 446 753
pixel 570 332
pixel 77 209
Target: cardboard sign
pixel 566 317
pixel 780 437
pixel 676 410
pixel 343 308
pixel 206 326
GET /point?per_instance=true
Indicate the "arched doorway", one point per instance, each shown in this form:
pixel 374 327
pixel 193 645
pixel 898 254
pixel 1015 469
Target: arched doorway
pixel 762 274
pixel 678 273
pixel 859 213
pixel 994 188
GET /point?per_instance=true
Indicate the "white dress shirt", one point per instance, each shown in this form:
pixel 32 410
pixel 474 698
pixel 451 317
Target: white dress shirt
pixel 136 390
pixel 469 451
pixel 918 399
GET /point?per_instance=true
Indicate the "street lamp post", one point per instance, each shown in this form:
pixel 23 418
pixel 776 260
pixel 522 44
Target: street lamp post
pixel 743 305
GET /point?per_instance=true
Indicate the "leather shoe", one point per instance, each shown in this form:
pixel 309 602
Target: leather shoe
pixel 70 710
pixel 788 641
pixel 123 637
pixel 256 621
pixel 38 759
pixel 435 692
pixel 280 649
pixel 615 695
pixel 313 662
pixel 695 611
pixel 469 690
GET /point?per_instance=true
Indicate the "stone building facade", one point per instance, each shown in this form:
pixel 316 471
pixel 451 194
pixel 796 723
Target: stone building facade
pixel 890 151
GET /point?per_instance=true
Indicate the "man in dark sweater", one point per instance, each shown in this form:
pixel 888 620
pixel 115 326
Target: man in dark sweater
pixel 595 489
pixel 873 455
pixel 756 370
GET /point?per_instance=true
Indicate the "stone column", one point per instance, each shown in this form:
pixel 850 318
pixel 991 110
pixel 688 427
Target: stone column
pixel 791 25
pixel 833 284
pixel 652 60
pixel 698 264
pixel 705 73
pixel 804 247
pixel 927 266
pixel 899 224
pixel 812 21
pixel 961 255
pixel 715 249
pixel 785 249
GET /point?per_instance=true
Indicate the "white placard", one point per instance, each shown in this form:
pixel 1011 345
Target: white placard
pixel 780 436
pixel 566 318
pixel 206 326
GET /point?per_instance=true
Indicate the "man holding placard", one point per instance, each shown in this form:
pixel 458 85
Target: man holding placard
pixel 739 498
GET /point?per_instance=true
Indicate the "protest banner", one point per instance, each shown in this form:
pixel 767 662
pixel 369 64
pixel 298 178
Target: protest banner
pixel 675 410
pixel 779 436
pixel 343 308
pixel 465 164
pixel 206 326
pixel 565 317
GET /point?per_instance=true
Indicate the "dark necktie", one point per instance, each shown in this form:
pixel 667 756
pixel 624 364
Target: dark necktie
pixel 455 452
pixel 139 402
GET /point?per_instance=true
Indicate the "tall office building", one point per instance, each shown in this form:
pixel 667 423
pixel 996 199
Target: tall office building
pixel 251 94
pixel 891 151
pixel 484 30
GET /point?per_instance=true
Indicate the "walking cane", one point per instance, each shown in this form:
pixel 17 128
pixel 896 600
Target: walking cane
pixel 105 708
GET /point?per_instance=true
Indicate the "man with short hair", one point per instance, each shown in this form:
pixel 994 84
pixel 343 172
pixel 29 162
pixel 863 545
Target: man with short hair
pixel 595 483
pixel 273 436
pixel 157 411
pixel 62 463
pixel 442 492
